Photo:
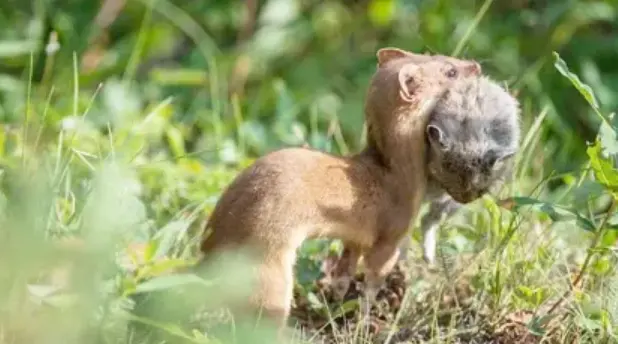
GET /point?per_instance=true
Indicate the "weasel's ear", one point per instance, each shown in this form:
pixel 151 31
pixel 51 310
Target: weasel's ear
pixel 388 54
pixel 408 82
pixel 436 137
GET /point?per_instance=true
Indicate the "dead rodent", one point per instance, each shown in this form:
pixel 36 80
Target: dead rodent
pixel 368 200
pixel 473 136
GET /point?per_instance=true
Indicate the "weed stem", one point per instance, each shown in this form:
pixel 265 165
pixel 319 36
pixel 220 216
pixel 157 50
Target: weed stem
pixel 595 242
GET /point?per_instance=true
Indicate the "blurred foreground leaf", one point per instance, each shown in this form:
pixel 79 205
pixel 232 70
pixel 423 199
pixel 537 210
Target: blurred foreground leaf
pixel 169 281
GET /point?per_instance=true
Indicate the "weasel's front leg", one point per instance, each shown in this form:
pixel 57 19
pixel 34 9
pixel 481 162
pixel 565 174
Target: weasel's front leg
pixel 344 270
pixel 379 262
pixel 439 210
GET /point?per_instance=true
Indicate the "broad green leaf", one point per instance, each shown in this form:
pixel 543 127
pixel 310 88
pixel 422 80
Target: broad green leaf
pixel 555 212
pixel 608 136
pixel 603 168
pixel 168 281
pixel 307 270
pixel 584 89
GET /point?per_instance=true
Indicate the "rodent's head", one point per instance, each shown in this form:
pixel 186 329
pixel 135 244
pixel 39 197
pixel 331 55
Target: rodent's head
pixel 473 134
pixel 403 88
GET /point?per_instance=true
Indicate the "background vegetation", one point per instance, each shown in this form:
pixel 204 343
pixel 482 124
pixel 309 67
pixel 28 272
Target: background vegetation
pixel 122 121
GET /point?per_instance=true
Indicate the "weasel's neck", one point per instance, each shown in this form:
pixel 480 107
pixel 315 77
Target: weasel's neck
pixel 402 176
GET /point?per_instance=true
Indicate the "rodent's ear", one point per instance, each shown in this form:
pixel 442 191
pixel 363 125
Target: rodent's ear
pixel 473 68
pixel 436 137
pixel 388 54
pixel 407 81
pixel 497 161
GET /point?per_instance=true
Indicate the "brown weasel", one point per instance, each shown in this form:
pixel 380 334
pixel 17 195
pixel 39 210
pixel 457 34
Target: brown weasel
pixel 340 273
pixel 472 135
pixel 367 199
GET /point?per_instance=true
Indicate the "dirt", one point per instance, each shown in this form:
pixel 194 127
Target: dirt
pixel 458 320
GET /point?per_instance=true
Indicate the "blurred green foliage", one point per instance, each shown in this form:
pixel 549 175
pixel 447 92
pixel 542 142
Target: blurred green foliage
pixel 296 64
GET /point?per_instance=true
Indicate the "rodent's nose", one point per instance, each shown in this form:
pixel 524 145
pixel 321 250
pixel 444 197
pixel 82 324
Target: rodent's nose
pixel 467 197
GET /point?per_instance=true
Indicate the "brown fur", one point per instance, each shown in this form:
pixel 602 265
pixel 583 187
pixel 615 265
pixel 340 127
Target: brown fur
pixel 367 199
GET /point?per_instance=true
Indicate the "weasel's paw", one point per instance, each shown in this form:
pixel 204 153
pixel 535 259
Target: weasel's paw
pixel 340 286
pixel 369 299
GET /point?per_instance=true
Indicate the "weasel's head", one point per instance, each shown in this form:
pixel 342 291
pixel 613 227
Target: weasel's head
pixel 404 87
pixel 463 67
pixel 472 137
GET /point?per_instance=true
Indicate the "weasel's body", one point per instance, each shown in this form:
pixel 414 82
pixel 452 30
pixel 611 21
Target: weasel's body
pixel 367 200
pixel 329 194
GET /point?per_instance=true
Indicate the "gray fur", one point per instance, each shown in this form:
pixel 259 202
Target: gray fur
pixel 473 135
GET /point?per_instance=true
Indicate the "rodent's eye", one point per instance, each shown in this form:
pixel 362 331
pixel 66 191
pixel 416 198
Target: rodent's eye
pixel 451 73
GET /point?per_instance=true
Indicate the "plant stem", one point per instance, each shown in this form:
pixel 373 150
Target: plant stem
pixel 595 242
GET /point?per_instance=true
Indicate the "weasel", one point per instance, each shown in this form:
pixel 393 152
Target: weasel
pixel 368 200
pixel 472 135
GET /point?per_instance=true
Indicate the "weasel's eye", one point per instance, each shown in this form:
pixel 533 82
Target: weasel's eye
pixel 451 73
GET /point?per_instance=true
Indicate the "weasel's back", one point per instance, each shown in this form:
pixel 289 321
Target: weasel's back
pixel 259 194
pixel 289 195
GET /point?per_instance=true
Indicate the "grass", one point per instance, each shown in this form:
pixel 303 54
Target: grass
pixel 501 273
pixel 105 190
